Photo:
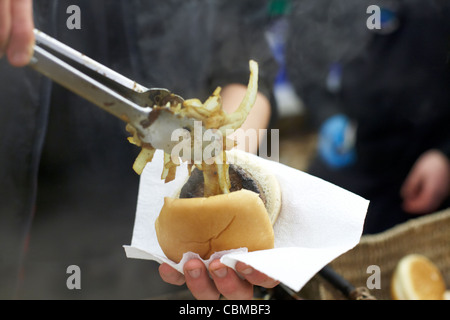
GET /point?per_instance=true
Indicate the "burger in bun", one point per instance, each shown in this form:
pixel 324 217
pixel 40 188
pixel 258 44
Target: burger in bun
pixel 244 217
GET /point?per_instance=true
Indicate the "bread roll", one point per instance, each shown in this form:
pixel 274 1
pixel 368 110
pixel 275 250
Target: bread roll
pixel 446 295
pixel 417 278
pixel 241 218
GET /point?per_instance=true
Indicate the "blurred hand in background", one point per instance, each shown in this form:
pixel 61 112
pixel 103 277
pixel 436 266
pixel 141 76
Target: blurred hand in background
pixel 427 185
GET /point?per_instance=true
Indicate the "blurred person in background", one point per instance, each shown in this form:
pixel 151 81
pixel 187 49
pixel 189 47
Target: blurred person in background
pixel 68 192
pixel 378 94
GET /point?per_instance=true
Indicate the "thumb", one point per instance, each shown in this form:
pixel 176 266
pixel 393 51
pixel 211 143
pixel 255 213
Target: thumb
pixel 412 185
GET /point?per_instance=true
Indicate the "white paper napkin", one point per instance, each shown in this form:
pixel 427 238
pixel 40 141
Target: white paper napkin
pixel 318 222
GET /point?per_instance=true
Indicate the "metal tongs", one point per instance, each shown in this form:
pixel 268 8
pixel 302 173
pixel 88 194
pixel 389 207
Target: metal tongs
pixel 111 91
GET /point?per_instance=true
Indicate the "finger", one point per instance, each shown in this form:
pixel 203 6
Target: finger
pixel 423 202
pixel 255 277
pixel 199 282
pixel 228 282
pixel 20 46
pixel 5 24
pixel 415 205
pixel 411 186
pixel 412 196
pixel 170 275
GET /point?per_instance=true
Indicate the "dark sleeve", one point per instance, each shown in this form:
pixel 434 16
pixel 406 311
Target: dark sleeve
pixel 445 147
pixel 23 118
pixel 239 37
pixel 315 42
pixel 439 130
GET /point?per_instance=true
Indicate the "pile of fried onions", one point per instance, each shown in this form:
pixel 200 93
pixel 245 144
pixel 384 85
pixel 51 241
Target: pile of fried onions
pixel 212 116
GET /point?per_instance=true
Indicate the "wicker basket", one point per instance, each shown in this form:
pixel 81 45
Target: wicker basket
pixel 428 235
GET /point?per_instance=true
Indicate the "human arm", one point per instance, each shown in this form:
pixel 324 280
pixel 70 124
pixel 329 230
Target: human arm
pixel 258 117
pixel 16 31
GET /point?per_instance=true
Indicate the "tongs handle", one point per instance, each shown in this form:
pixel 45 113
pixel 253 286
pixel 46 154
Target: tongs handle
pixel 55 60
pixel 111 91
pixel 43 39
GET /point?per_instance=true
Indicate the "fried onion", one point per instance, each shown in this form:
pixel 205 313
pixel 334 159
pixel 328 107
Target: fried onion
pixel 212 116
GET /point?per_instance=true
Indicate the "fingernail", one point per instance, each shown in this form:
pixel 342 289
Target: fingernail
pixel 247 271
pixel 194 273
pixel 19 58
pixel 221 272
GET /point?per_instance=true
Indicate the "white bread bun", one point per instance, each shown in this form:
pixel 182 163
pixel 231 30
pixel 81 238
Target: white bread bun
pixel 446 295
pixel 217 223
pixel 269 187
pixel 417 278
pixel 241 218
